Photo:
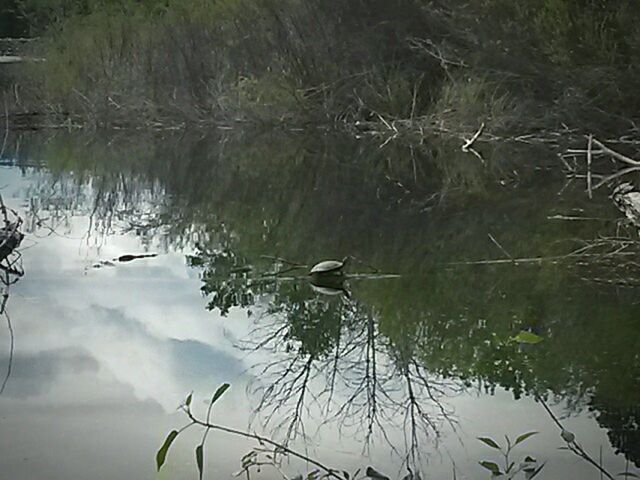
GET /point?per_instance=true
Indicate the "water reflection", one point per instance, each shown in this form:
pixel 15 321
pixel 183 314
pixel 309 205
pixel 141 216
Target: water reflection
pixel 389 361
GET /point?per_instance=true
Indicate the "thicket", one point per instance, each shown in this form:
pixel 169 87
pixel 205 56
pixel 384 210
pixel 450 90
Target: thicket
pixel 507 63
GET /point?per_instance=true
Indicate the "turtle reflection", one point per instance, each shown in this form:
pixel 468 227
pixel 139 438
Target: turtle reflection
pixel 330 285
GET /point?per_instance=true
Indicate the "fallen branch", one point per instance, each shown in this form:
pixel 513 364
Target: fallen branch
pixel 617 155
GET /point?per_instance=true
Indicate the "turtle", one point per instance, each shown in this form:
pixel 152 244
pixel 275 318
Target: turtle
pixel 329 267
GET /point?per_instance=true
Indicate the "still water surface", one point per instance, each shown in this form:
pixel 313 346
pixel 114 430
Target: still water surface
pixel 401 369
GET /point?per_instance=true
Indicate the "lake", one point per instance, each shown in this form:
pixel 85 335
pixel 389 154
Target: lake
pixel 434 336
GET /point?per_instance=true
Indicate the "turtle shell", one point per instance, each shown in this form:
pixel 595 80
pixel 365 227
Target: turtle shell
pixel 327 266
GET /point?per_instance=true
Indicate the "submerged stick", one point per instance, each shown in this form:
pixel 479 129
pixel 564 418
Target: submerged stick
pixel 589 144
pixel 619 173
pixel 553 258
pixel 497 244
pixel 6 127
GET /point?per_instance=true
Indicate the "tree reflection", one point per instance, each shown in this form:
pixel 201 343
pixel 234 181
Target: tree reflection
pixel 327 360
pixel 10 271
pixel 390 354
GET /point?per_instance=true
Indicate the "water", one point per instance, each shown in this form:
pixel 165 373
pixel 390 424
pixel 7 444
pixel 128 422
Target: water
pixel 407 368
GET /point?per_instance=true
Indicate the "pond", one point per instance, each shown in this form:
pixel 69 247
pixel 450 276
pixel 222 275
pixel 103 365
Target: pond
pixel 403 363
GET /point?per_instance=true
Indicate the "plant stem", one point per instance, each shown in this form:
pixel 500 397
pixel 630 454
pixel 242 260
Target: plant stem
pixel 259 438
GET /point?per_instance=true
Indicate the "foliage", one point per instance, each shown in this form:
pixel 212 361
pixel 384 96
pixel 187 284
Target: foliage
pixel 528 466
pixel 527 64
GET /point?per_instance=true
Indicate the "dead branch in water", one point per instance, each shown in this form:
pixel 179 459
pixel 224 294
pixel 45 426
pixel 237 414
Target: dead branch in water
pixel 604 248
pixel 591 153
pixel 469 143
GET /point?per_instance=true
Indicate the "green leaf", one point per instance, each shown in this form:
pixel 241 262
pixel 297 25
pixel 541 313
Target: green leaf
pixel 187 402
pixel 492 467
pixel 490 442
pixel 527 337
pixel 523 437
pixel 161 456
pixel 219 392
pixel 200 460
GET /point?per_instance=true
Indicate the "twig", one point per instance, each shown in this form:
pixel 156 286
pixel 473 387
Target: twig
pixel 415 98
pixel 283 260
pixel 472 140
pixel 261 439
pixel 11 348
pixel 573 445
pixel 6 127
pixel 476 153
pixel 553 258
pixel 578 218
pixel 589 144
pixel 497 244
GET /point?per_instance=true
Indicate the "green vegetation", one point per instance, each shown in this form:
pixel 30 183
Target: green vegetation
pixel 363 65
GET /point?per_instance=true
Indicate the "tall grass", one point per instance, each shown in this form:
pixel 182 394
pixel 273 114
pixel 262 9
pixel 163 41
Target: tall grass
pixel 236 58
pixel 338 60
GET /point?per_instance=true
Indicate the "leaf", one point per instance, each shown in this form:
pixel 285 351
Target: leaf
pixel 161 456
pixel 628 474
pixel 373 473
pixel 492 467
pixel 490 442
pixel 530 475
pixel 187 402
pixel 219 392
pixel 527 337
pixel 523 437
pixel 200 460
